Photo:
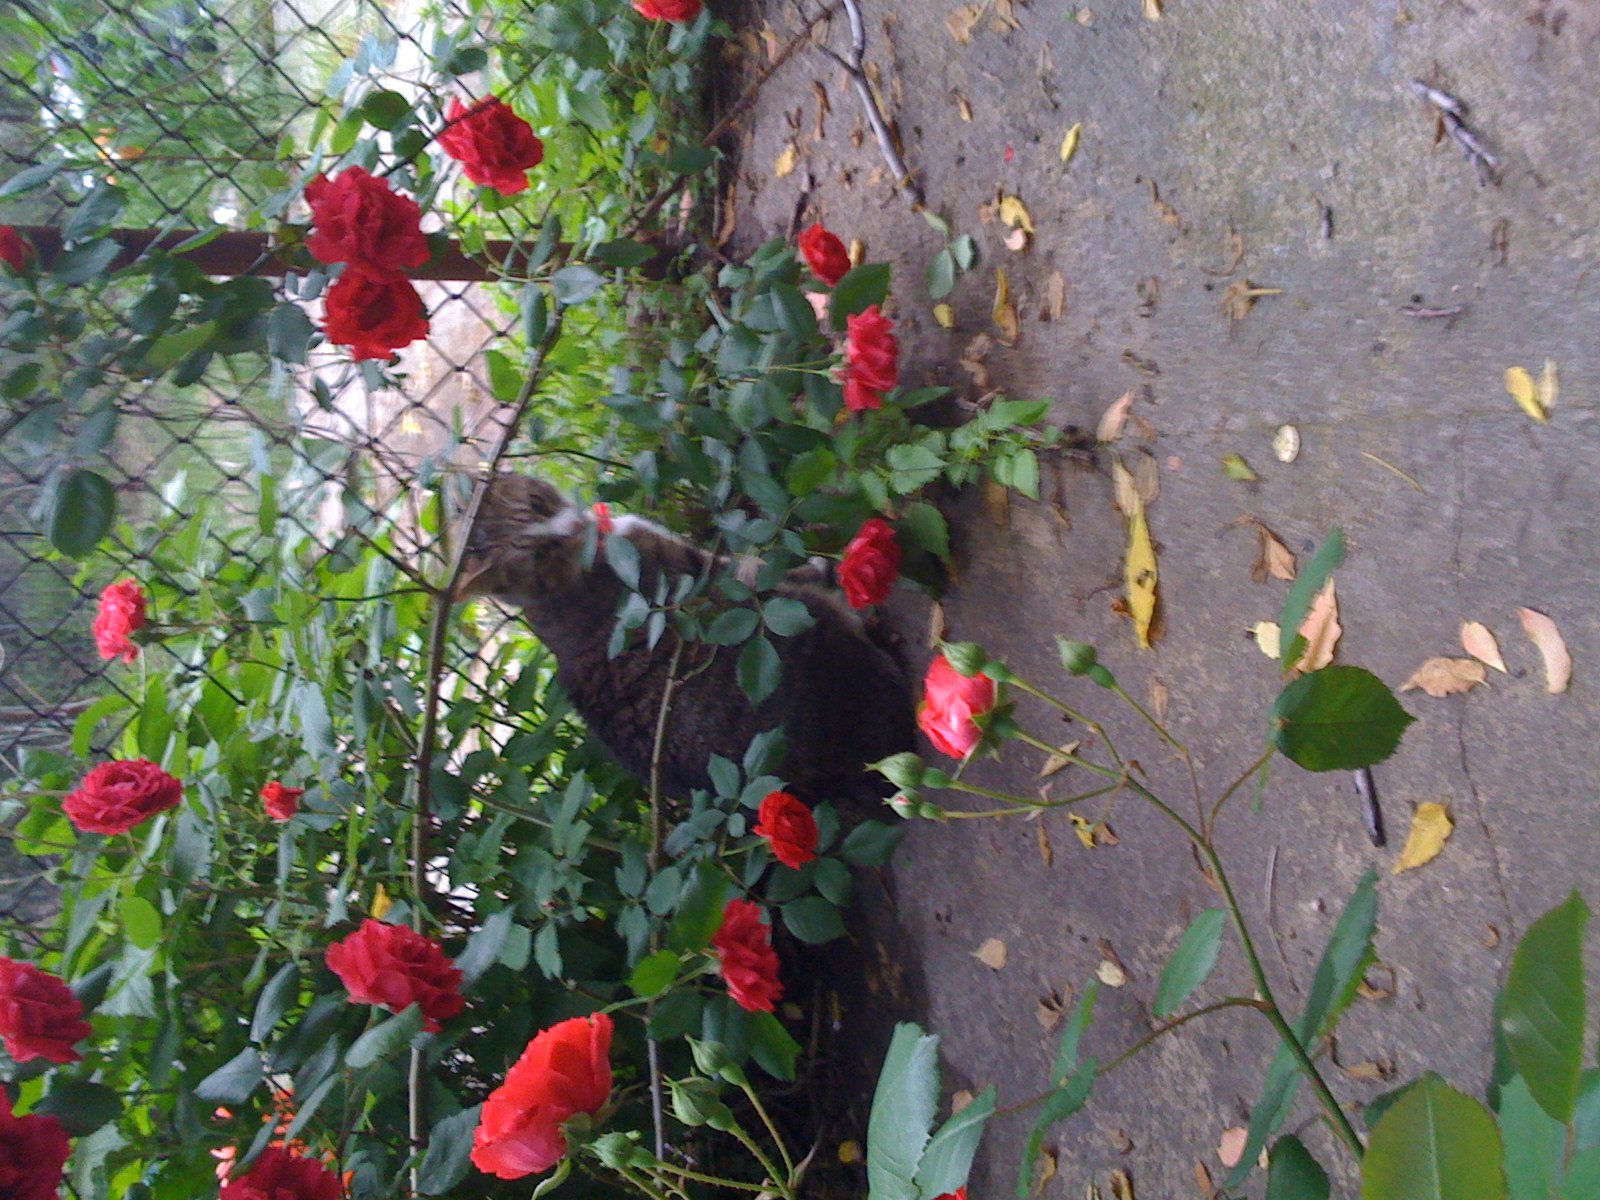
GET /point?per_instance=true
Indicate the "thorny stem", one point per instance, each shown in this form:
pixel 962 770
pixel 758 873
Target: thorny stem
pixel 686 1173
pixel 772 1130
pixel 656 1116
pixel 779 1183
pixel 1211 820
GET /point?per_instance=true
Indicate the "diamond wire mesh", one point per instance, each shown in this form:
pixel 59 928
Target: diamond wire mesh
pixel 194 107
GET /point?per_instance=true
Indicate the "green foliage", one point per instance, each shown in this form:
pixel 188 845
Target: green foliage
pixel 1434 1143
pixel 1338 719
pixel 1542 1008
pixel 1192 962
pixel 903 1161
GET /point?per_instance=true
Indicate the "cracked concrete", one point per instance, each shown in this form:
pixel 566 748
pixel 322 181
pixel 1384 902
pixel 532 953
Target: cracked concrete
pixel 1294 127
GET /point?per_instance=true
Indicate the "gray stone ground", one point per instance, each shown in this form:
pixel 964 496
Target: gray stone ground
pixel 1252 116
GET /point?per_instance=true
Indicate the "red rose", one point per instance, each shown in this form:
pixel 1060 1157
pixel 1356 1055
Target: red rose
pixel 121 612
pixel 949 702
pixel 494 146
pixel 871 564
pixel 282 1173
pixel 603 521
pixel 825 255
pixel 959 1194
pixel 789 828
pixel 870 359
pixel 374 317
pixel 565 1070
pixel 668 10
pixel 39 1016
pixel 282 802
pixel 15 253
pixel 116 796
pixel 33 1154
pixel 356 219
pixel 395 966
pixel 749 963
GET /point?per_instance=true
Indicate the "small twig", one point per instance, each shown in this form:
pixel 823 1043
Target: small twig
pixel 1423 313
pixel 1451 113
pixel 1384 463
pixel 1369 799
pixel 857 71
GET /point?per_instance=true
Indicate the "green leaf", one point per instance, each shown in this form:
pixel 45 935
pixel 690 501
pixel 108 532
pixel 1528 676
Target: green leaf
pixel 732 627
pixel 813 919
pixel 941 274
pixel 772 1047
pixel 1338 719
pixel 80 1106
pixel 32 177
pixel 449 1153
pixel 141 920
pixel 786 617
pixel 1535 1143
pixel 809 471
pixel 179 344
pixel 1434 1144
pixel 947 1160
pixel 760 670
pixel 624 252
pixel 1191 962
pixel 385 109
pixel 385 1038
pixel 574 285
pixel 858 291
pixel 914 466
pixel 925 527
pixel 233 1081
pixel 700 909
pixel 281 991
pixel 484 946
pixel 795 315
pixel 1542 1010
pixel 871 843
pixel 903 1107
pixel 1306 586
pixel 82 512
pixel 623 558
pixel 1067 1099
pixel 654 972
pixel 98 210
pixel 85 261
pixel 1292 1174
pixel 1067 1051
pixel 965 251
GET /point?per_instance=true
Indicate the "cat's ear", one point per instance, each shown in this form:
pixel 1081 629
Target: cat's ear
pixel 480 576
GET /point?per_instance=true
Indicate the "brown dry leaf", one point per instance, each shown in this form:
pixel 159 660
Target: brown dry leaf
pixel 1152 10
pixel 1273 558
pixel 1061 757
pixel 997 502
pixel 1115 417
pixel 1160 698
pixel 1084 829
pixel 1048 1013
pixel 1121 1140
pixel 1146 476
pixel 972 360
pixel 1446 676
pixel 945 315
pixel 1141 578
pixel 1545 635
pixel 787 161
pixel 1231 1145
pixel 1123 492
pixel 1046 851
pixel 1055 297
pixel 991 954
pixel 1370 1069
pixel 1004 311
pixel 1268 638
pixel 1121 1185
pixel 1069 144
pixel 1202 1180
pixel 964 107
pixel 1240 296
pixel 1520 384
pixel 1104 835
pixel 1430 829
pixel 1549 386
pixel 1477 641
pixel 960 1100
pixel 964 21
pixel 1490 938
pixel 1377 991
pixel 1015 213
pixel 936 623
pixel 1111 973
pixel 1321 630
pixel 1017 240
pixel 1044 1170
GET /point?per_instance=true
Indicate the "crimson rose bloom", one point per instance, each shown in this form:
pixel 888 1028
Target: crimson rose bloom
pixel 949 702
pixel 33 1153
pixel 281 802
pixel 395 966
pixel 494 146
pixel 871 564
pixel 39 1016
pixel 116 796
pixel 749 963
pixel 603 520
pixel 281 1173
pixel 789 828
pixel 678 11
pixel 825 255
pixel 870 355
pixel 565 1070
pixel 356 219
pixel 14 252
pixel 374 317
pixel 121 612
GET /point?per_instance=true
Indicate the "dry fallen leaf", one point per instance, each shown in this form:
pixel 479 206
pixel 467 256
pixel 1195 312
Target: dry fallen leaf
pixel 960 1100
pixel 1446 676
pixel 1146 476
pixel 1274 559
pixel 1015 213
pixel 1104 835
pixel 1321 630
pixel 787 161
pixel 963 21
pixel 1286 443
pixel 936 623
pixel 991 954
pixel 1231 1146
pixel 1549 387
pixel 1121 1140
pixel 997 502
pixel 1055 293
pixel 1268 638
pixel 1160 699
pixel 1069 144
pixel 1477 641
pixel 1111 974
pixel 1545 635
pixel 972 360
pixel 1152 10
pixel 945 315
pixel 1121 1185
pixel 1490 938
pixel 1060 757
pixel 1430 829
pixel 964 107
pixel 1520 384
pixel 858 252
pixel 1369 1070
pixel 1240 296
pixel 1114 419
pixel 1044 1170
pixel 1202 1180
pixel 1084 829
pixel 1046 852
pixel 1003 311
pixel 1141 577
pixel 1048 1014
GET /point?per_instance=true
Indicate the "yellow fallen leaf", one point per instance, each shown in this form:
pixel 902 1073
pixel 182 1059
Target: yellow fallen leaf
pixel 1060 757
pixel 1111 974
pixel 1549 386
pixel 787 161
pixel 1003 311
pixel 1069 144
pixel 381 903
pixel 1520 384
pixel 991 954
pixel 1084 828
pixel 1114 419
pixel 964 107
pixel 1441 677
pixel 945 315
pixel 1121 1185
pixel 1268 637
pixel 1235 467
pixel 1477 641
pixel 1430 829
pixel 1321 630
pixel 1015 213
pixel 858 252
pixel 1557 661
pixel 1141 576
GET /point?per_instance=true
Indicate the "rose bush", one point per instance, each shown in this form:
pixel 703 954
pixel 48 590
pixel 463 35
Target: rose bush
pixel 495 147
pixel 789 827
pixel 39 1015
pixel 358 219
pixel 14 252
pixel 374 317
pixel 283 1173
pixel 871 360
pixel 949 702
pixel 871 564
pixel 121 612
pixel 825 254
pixel 395 966
pixel 565 1070
pixel 280 801
pixel 116 796
pixel 745 956
pixel 677 11
pixel 33 1154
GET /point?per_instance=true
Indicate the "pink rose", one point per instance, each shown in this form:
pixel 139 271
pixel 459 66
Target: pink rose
pixel 949 702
